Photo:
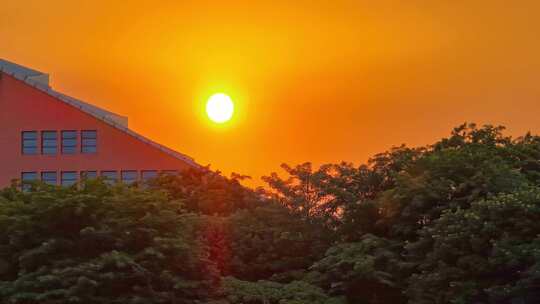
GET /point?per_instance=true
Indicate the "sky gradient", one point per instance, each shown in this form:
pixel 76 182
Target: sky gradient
pixel 320 81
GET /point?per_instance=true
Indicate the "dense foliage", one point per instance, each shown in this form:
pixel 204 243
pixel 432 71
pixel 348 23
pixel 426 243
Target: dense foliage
pixel 454 222
pixel 100 245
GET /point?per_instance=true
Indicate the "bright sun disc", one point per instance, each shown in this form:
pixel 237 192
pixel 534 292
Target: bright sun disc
pixel 219 108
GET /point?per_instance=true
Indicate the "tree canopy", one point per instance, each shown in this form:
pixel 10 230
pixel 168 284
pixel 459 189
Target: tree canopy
pixel 457 221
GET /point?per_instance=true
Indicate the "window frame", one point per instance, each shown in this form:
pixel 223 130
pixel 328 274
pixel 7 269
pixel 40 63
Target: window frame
pixel 45 146
pixel 107 179
pixel 44 180
pixel 23 141
pixel 170 172
pixel 130 182
pixel 63 146
pixel 84 174
pixel 84 144
pixel 146 179
pixel 26 184
pixel 62 179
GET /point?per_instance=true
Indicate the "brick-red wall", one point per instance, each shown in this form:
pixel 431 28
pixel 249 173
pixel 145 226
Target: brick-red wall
pixel 23 107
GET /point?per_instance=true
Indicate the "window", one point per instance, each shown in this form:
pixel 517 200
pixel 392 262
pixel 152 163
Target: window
pixel 68 178
pixel 27 179
pixel 129 177
pixel 49 177
pixel 29 142
pixel 69 142
pixel 88 174
pixel 88 141
pixel 170 172
pixel 148 175
pixel 48 142
pixel 110 176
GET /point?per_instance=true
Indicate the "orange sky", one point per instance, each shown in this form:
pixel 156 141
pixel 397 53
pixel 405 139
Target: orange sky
pixel 320 81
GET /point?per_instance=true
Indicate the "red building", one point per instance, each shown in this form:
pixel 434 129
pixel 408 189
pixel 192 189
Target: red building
pixel 50 136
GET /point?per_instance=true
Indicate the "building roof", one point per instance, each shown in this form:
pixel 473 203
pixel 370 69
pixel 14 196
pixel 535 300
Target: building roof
pixel 40 81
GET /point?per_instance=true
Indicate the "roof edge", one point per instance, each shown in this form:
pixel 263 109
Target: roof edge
pixel 66 99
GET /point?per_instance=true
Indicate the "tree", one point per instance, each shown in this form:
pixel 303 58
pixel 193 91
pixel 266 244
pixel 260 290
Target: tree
pixel 488 253
pixel 368 271
pixel 267 292
pixel 453 222
pixel 271 243
pixel 472 164
pixel 398 195
pixel 100 245
pixel 207 192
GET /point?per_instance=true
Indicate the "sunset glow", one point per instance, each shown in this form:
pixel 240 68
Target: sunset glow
pixel 270 152
pixel 323 81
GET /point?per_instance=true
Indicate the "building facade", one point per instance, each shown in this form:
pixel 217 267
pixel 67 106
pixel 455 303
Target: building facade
pixel 46 135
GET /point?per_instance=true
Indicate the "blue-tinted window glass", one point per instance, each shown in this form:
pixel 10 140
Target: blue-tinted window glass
pixel 29 142
pixel 69 178
pixel 48 142
pixel 129 177
pixel 110 176
pixel 27 179
pixel 89 141
pixel 69 142
pixel 88 174
pixel 49 177
pixel 148 175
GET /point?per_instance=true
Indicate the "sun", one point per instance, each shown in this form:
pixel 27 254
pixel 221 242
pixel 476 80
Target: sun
pixel 220 108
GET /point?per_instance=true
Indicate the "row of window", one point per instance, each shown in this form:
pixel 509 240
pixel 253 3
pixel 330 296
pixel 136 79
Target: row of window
pixel 69 178
pixel 49 142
